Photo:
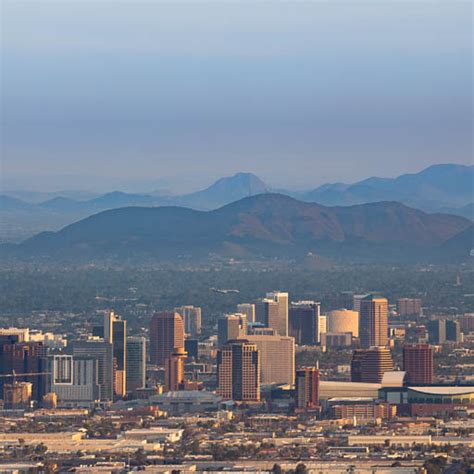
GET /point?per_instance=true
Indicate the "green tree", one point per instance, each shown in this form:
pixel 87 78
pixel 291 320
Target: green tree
pixel 301 469
pixel 276 469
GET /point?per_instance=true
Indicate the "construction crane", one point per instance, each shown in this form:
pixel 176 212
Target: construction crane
pixel 14 375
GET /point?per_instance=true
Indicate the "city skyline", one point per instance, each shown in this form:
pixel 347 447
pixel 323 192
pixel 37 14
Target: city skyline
pixel 236 236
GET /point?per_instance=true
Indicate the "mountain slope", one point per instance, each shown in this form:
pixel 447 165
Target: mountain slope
pixel 262 226
pixel 11 204
pixel 462 244
pixel 439 188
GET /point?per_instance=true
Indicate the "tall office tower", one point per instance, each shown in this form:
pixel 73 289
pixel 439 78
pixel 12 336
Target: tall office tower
pixel 277 358
pixel 409 307
pixel 303 322
pixel 243 323
pixel 136 363
pixel 98 331
pixel 307 388
pixel 323 326
pixel 281 298
pixel 23 358
pixel 343 321
pixel 174 370
pixel 453 331
pixel 357 364
pixel 74 380
pixel 166 334
pixel 356 299
pixel 437 331
pixel 373 321
pixel 369 365
pixel 103 352
pixel 115 332
pixel 467 323
pixel 418 363
pixel 238 371
pixel 345 299
pixel 191 346
pixel 231 326
pixel 267 312
pixel 247 309
pixel 191 319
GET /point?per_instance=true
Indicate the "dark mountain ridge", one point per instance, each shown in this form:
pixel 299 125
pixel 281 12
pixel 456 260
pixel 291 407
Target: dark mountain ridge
pixel 440 188
pixel 262 226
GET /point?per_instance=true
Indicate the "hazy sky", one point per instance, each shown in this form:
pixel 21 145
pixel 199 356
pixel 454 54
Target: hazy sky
pixel 297 92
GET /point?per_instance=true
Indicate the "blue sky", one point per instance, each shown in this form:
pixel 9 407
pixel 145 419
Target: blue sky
pixel 299 93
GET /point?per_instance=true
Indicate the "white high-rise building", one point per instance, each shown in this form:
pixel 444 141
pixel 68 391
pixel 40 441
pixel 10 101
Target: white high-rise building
pixel 74 379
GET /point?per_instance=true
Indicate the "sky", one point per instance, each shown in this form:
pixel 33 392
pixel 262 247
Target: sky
pixel 169 94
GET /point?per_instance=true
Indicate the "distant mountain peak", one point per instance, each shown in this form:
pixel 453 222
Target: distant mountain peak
pixel 225 190
pixel 433 188
pixel 241 179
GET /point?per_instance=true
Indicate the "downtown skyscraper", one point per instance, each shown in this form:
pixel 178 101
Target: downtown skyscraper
pixel 238 371
pixel 115 332
pixel 166 335
pixel 373 321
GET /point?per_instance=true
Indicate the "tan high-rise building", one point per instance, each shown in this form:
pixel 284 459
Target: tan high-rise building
pixel 230 327
pixel 238 371
pixel 166 334
pixel 191 319
pixel 409 307
pixel 277 358
pixel 115 332
pixel 373 321
pixel 174 370
pixel 247 309
pixel 267 312
pixel 369 365
pixel 281 298
pixel 343 321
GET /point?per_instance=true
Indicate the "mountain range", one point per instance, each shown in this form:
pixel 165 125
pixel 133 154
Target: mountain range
pixel 439 188
pixel 262 226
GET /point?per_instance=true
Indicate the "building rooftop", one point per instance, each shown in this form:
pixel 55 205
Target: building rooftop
pixel 187 394
pixel 351 400
pixel 394 378
pixel 443 390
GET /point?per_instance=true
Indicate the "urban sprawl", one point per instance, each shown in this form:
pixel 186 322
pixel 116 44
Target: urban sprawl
pixel 268 391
